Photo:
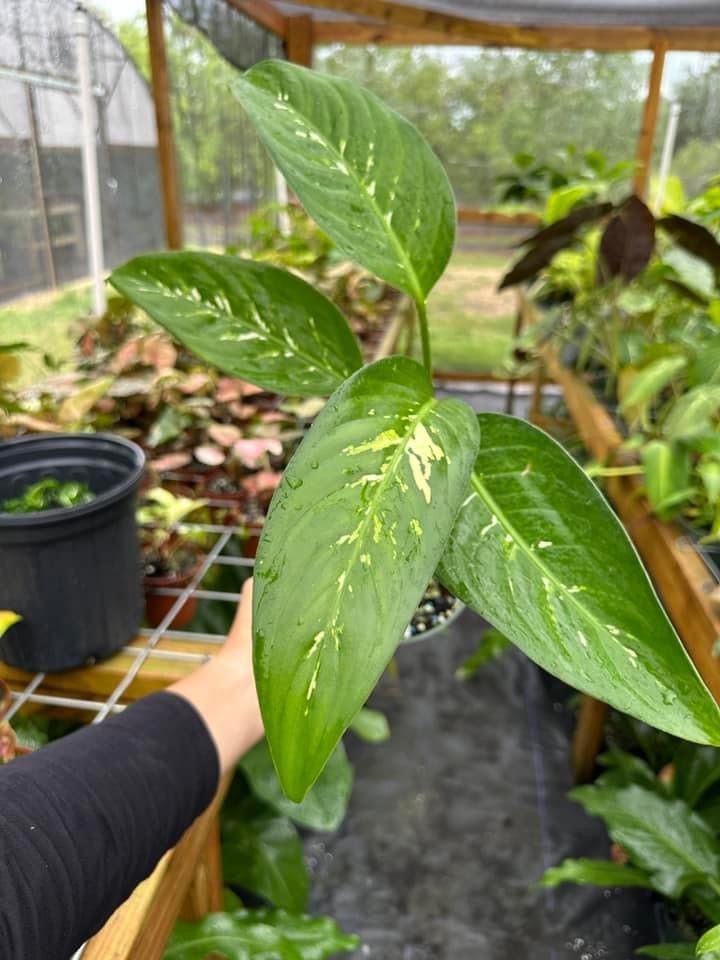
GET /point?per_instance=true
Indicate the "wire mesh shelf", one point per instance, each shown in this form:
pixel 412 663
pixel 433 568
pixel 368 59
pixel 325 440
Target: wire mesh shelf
pixel 157 657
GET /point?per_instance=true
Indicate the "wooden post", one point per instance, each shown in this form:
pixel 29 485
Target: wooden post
pixel 643 156
pixel 588 738
pixel 299 40
pixel 167 158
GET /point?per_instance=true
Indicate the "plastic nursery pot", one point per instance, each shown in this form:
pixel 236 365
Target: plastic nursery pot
pixel 157 605
pixel 73 573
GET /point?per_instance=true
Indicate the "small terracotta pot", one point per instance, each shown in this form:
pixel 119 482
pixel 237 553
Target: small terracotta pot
pixel 157 605
pixel 254 530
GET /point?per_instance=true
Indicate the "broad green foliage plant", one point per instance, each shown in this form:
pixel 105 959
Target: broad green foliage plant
pixel 662 810
pixel 392 482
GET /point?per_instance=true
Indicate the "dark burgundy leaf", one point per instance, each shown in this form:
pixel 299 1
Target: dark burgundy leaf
pixel 567 226
pixel 693 237
pixel 531 263
pixel 628 242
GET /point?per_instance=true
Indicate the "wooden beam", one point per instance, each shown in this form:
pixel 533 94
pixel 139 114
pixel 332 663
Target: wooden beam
pixel 299 40
pixel 496 217
pixel 169 180
pixel 643 155
pixel 403 25
pixel 187 878
pixel 262 12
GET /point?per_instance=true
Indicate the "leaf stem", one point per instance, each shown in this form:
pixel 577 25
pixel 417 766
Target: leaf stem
pixel 421 307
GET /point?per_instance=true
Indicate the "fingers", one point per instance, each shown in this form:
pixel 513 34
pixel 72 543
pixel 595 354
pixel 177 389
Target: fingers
pixel 241 629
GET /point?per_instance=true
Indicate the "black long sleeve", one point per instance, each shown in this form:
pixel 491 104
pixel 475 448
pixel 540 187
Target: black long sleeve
pixel 86 818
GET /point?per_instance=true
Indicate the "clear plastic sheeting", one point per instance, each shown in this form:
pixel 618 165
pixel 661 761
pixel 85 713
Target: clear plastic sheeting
pixel 238 38
pixel 42 216
pixel 225 172
pixel 541 13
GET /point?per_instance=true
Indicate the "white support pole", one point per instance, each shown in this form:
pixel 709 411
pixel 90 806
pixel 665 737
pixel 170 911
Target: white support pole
pixel 281 197
pixel 666 156
pixel 93 220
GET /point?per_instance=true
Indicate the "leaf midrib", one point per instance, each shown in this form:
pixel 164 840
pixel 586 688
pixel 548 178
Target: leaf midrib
pixel 389 475
pixel 492 505
pixel 416 292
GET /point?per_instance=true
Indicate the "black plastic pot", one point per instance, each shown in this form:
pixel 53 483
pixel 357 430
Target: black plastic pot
pixel 73 574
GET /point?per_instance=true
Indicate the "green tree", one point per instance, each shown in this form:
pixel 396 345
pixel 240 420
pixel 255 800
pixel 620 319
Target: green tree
pixel 479 109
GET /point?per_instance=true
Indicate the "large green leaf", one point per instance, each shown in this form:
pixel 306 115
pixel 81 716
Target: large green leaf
pixel 249 319
pixel 667 476
pixel 537 551
pixel 325 805
pixel 353 536
pixel 361 171
pixel 668 951
pixel 371 726
pixel 697 769
pixel 649 381
pixel 597 873
pixel 708 941
pixel 673 845
pixel 690 415
pixel 262 852
pixel 259 935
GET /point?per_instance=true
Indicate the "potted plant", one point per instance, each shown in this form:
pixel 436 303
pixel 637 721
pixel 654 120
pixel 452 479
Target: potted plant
pixel 69 558
pixel 171 557
pixel 391 482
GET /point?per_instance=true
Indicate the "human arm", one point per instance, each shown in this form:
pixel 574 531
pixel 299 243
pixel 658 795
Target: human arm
pixel 86 818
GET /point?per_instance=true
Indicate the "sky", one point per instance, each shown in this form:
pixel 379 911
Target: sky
pixel 676 64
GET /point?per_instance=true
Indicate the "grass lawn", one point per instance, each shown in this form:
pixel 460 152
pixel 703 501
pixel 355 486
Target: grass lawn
pixel 471 326
pixel 44 320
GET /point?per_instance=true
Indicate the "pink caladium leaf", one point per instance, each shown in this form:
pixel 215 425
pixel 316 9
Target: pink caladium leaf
pixel 171 461
pixel 224 433
pixel 243 411
pixel 158 352
pixel 261 482
pixel 194 383
pixel 126 356
pixel 250 452
pixel 209 455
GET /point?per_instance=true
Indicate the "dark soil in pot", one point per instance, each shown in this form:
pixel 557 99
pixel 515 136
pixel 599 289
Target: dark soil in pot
pixel 159 575
pixel 73 573
pixel 437 610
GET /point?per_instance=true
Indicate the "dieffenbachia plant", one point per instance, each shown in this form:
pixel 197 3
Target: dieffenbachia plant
pixel 391 482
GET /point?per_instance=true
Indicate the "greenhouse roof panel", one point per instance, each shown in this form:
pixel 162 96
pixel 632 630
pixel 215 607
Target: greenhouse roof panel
pixel 656 14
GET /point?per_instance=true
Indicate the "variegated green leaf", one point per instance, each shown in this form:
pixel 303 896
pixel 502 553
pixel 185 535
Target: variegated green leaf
pixel 249 319
pixel 538 552
pixel 354 533
pixel 361 171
